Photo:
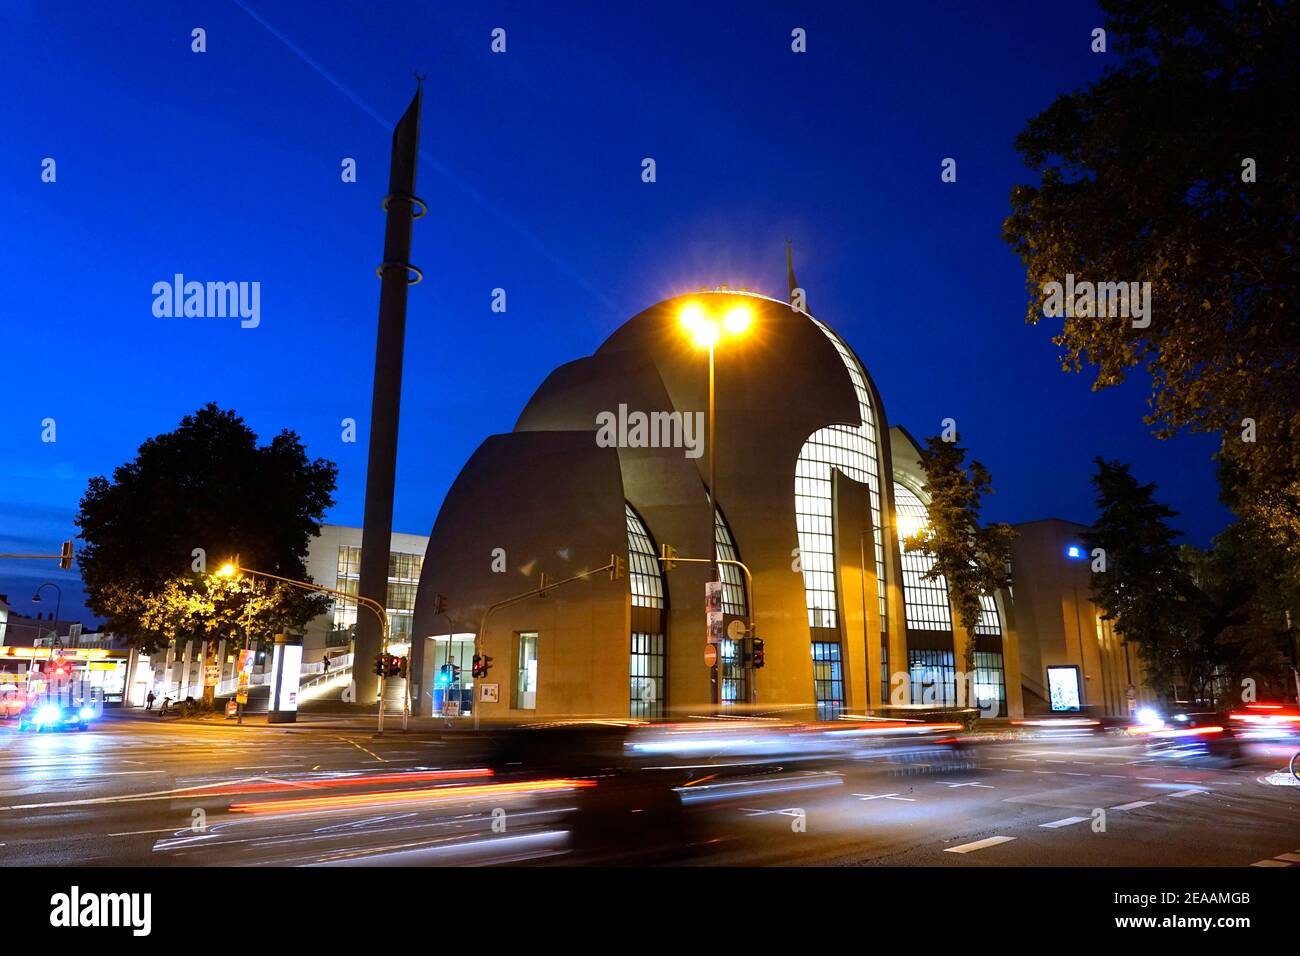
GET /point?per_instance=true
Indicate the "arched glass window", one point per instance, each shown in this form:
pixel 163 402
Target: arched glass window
pixel 925 602
pixel 648 649
pixel 735 600
pixel 853 449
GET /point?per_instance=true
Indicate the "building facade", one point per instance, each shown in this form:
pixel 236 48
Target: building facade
pixel 608 459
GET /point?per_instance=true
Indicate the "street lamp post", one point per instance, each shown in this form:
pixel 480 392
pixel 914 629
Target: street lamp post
pixel 58 606
pixel 706 331
pixel 229 570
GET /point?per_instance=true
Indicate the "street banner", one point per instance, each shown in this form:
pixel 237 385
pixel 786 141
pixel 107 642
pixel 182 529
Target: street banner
pixel 713 610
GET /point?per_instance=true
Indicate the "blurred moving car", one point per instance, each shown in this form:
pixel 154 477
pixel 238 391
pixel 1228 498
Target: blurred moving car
pixel 13 701
pixel 51 715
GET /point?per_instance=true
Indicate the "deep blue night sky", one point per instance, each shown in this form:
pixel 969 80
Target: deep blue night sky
pixel 225 166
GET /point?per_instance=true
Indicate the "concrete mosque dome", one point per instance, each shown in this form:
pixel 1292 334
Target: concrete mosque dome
pixel 610 459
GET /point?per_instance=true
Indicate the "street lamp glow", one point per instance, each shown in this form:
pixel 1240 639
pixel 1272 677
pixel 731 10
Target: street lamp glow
pixel 692 316
pixel 737 319
pixel 705 333
pixel 227 570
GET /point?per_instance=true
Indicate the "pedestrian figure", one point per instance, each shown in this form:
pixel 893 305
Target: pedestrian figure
pixel 148 701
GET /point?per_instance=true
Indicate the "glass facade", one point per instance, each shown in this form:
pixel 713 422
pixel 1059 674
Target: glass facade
pixel 828 679
pixel 934 677
pixel 403 580
pixel 990 683
pixel 648 661
pixel 925 602
pixel 645 578
pixel 853 450
pixel 646 697
pixel 526 671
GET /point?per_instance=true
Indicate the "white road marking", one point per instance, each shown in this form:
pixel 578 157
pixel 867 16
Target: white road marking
pixel 1134 805
pixel 1270 863
pixel 979 845
pixel 950 786
pixel 883 796
pixel 1187 793
pixel 1068 821
pixel 1010 770
pixel 1289 857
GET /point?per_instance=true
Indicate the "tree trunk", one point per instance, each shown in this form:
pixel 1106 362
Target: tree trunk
pixel 209 660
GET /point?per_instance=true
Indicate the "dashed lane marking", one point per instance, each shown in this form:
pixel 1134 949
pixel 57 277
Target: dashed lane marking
pixel 979 844
pixel 1134 805
pixel 1068 821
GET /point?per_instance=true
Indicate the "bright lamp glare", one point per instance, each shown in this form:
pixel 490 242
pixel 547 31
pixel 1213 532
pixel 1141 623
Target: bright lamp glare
pixel 910 525
pixel 227 570
pixel 692 316
pixel 737 319
pixel 705 333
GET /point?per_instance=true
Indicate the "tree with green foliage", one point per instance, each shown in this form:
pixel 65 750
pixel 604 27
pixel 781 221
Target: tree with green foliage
pixel 972 558
pixel 1203 619
pixel 189 500
pixel 1177 167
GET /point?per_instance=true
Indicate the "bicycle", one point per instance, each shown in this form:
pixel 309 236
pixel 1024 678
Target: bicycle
pixel 1295 765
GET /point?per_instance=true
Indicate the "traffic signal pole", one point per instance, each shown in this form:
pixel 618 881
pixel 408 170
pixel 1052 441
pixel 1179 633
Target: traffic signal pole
pixel 374 606
pixel 615 566
pixel 668 558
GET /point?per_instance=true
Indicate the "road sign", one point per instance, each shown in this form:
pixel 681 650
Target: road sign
pixel 710 655
pixel 489 693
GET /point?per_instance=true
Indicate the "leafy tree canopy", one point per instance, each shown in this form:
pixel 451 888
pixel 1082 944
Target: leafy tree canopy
pixel 207 485
pixel 973 558
pixel 1178 167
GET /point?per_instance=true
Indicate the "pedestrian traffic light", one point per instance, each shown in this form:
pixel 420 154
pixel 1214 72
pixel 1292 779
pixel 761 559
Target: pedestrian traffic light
pixel 399 667
pixel 758 653
pixel 668 556
pixel 617 567
pixel 455 673
pixel 481 664
pixel 381 665
pixel 65 556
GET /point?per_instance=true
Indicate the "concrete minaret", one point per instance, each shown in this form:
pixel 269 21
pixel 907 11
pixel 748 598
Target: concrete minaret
pixel 395 273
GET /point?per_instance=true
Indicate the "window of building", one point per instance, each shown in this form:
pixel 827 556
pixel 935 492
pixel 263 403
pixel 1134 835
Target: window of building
pixel 526 671
pixel 853 450
pixel 647 670
pixel 925 603
pixel 934 677
pixel 644 575
pixel 990 683
pixel 828 679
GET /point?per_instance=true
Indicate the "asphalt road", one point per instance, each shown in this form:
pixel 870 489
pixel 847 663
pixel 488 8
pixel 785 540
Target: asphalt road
pixel 141 791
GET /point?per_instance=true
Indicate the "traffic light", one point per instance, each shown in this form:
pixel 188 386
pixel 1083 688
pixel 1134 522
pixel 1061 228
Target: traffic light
pixel 668 556
pixel 381 665
pixel 65 556
pixel 455 673
pixel 394 666
pixel 481 664
pixel 439 604
pixel 758 652
pixel 61 667
pixel 617 567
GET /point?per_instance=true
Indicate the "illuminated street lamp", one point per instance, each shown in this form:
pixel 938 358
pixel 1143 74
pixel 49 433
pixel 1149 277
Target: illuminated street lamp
pixel 706 331
pixel 231 569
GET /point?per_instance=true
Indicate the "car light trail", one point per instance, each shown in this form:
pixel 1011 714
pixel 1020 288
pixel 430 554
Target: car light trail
pixel 376 798
pixel 232 789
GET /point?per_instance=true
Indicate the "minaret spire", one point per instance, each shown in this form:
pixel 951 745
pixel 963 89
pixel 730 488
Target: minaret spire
pixel 790 279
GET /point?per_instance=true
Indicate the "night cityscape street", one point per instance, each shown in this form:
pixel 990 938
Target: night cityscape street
pixel 127 793
pixel 471 473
